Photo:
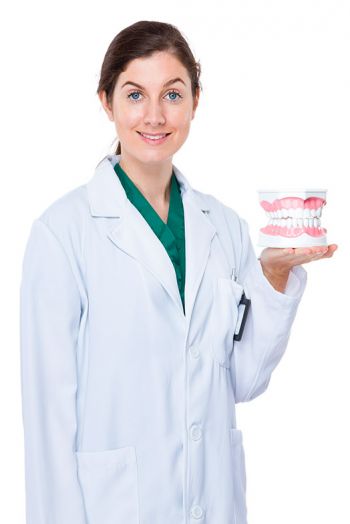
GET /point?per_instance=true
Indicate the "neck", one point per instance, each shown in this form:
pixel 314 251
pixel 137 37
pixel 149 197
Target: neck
pixel 152 179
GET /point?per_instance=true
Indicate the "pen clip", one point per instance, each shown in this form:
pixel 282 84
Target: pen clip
pixel 233 274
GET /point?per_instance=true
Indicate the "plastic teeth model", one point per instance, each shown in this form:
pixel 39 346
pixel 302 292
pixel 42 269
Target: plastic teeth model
pixel 294 218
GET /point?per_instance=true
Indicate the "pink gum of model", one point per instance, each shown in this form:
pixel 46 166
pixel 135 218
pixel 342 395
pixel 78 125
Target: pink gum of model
pixel 294 218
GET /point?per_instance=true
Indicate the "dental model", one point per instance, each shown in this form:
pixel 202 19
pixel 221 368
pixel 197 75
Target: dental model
pixel 294 218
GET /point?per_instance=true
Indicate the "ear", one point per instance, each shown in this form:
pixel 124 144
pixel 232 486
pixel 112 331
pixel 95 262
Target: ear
pixel 195 102
pixel 106 106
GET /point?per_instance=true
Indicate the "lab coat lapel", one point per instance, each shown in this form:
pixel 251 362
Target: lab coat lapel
pixel 199 232
pixel 132 234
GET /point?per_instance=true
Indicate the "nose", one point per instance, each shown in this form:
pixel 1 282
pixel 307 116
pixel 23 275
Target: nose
pixel 154 113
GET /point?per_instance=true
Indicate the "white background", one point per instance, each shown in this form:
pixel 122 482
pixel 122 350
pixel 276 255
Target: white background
pixel 275 110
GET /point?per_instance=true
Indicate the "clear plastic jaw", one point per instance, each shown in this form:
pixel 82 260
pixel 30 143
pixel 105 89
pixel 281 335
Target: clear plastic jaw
pixel 294 218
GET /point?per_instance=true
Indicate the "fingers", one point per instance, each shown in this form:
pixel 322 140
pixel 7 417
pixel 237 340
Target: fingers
pixel 311 250
pixel 331 249
pixel 297 256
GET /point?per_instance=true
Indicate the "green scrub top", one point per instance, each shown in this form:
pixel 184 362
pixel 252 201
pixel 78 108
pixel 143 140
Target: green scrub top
pixel 172 233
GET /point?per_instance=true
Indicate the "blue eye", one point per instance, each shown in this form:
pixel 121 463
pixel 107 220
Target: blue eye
pixel 174 93
pixel 130 96
pixel 134 93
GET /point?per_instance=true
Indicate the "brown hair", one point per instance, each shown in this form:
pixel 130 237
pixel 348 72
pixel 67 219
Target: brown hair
pixel 139 40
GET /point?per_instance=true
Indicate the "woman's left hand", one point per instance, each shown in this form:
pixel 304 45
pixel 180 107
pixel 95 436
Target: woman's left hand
pixel 277 262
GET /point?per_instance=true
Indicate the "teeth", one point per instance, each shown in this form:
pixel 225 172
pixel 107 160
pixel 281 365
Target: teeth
pixel 295 213
pixel 295 222
pixel 295 217
pixel 157 137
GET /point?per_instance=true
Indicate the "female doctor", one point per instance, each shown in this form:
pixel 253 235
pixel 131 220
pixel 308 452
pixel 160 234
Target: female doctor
pixel 130 297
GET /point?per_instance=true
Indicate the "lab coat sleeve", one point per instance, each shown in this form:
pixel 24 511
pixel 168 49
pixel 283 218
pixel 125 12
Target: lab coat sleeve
pixel 50 309
pixel 268 325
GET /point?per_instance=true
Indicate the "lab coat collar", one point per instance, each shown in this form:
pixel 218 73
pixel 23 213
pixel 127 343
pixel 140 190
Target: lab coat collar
pixel 131 233
pixel 106 194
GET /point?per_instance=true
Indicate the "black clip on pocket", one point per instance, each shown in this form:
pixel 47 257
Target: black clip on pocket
pixel 246 303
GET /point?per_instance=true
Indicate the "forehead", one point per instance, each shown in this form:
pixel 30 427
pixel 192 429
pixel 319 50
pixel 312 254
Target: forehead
pixel 154 70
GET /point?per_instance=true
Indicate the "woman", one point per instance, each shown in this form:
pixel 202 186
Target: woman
pixel 129 305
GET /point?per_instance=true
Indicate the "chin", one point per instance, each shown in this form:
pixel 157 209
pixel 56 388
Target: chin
pixel 155 156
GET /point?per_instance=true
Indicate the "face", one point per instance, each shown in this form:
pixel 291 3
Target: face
pixel 157 105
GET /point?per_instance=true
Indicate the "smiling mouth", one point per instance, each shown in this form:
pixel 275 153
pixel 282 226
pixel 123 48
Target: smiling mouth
pixel 154 140
pixel 154 135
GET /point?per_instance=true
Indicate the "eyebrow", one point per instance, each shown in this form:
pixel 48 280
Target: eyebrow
pixel 172 81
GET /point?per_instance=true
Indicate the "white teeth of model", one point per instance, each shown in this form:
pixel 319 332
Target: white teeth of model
pixel 318 212
pixel 290 212
pixel 279 213
pixel 284 212
pixel 299 212
pixel 313 212
pixel 293 221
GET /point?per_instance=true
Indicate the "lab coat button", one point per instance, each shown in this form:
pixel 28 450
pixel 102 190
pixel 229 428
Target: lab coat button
pixel 196 432
pixel 196 512
pixel 194 351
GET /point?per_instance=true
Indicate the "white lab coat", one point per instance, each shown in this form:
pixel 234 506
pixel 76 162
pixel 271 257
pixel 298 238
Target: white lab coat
pixel 128 404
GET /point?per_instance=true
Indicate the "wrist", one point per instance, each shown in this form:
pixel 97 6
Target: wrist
pixel 277 277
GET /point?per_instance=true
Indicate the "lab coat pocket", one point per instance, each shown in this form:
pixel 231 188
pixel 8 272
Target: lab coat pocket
pixel 110 485
pixel 239 474
pixel 224 316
